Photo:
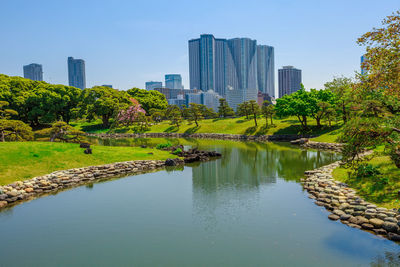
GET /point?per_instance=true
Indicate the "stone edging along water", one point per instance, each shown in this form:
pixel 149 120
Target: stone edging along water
pixel 19 191
pixel 346 206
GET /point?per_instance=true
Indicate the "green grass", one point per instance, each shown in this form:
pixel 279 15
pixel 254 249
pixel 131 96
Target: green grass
pixel 24 160
pixel 225 126
pixel 330 136
pixel 369 188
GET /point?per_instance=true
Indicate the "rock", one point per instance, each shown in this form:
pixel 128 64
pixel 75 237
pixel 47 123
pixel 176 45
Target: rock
pixel 354 225
pixel 3 204
pixel 394 237
pixel 13 193
pixel 338 212
pixel 88 151
pixel 367 226
pixel 376 222
pixel 345 217
pixel 380 231
pixel 29 189
pixel 170 162
pixel 333 217
pixel 390 227
pixel 390 219
pixel 84 145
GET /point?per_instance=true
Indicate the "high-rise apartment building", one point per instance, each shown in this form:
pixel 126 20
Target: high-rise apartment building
pixel 207 63
pixel 289 80
pixel 173 81
pixel 34 72
pixel 265 69
pixel 230 67
pixel 76 73
pixel 152 85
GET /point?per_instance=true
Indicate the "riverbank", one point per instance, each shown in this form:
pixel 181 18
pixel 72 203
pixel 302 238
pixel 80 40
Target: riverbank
pixel 345 205
pixel 24 160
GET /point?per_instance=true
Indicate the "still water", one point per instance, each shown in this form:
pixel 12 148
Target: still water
pixel 245 209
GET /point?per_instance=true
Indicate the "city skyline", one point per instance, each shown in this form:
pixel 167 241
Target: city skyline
pixel 133 53
pixel 76 73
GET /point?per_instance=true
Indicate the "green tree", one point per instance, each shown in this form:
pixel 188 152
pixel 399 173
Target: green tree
pixel 254 109
pixel 342 88
pixel 149 99
pixel 224 110
pixel 14 130
pixel 320 101
pixel 243 109
pixel 195 113
pixel 174 114
pixel 268 111
pixel 6 113
pixel 61 131
pixel 104 102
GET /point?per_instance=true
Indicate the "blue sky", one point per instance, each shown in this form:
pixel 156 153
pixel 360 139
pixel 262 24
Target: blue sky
pixel 126 43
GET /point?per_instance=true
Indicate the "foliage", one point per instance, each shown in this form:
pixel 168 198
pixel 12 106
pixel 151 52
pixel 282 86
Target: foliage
pixel 195 113
pixel 103 101
pixel 177 151
pixel 6 113
pixel 254 110
pixel 14 130
pixel 149 99
pixel 243 109
pixel 268 111
pixel 341 87
pixel 61 131
pixel 130 115
pixel 224 110
pixel 164 145
pixel 174 114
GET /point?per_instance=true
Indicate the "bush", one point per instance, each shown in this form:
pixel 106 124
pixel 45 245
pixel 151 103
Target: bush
pixel 366 170
pixel 177 151
pixel 162 146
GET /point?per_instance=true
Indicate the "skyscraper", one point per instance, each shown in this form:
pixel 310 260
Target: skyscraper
pixel 265 69
pixel 241 71
pixel 289 80
pixel 173 81
pixel 207 63
pixel 76 73
pixel 152 85
pixel 34 72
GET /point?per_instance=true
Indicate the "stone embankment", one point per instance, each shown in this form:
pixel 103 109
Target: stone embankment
pixel 344 205
pixel 29 189
pixel 307 143
pixel 242 137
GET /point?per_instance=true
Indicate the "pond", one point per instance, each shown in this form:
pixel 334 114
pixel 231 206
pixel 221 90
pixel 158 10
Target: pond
pixel 245 209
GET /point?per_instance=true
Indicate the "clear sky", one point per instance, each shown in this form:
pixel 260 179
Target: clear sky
pixel 126 43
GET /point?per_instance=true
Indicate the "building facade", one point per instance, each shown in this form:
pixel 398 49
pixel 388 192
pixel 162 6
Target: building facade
pixel 76 73
pixel 34 72
pixel 266 69
pixel 173 81
pixel 289 80
pixel 152 85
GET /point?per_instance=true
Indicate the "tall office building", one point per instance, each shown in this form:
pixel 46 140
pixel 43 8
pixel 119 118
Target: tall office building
pixel 289 80
pixel 173 81
pixel 241 71
pixel 34 72
pixel 76 73
pixel 265 69
pixel 152 85
pixel 207 63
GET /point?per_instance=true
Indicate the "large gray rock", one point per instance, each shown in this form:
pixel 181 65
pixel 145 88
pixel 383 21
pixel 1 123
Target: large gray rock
pixel 376 222
pixel 390 227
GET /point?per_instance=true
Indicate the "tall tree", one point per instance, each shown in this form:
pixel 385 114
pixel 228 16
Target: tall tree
pixel 224 110
pixel 149 99
pixel 268 111
pixel 195 113
pixel 342 88
pixel 254 110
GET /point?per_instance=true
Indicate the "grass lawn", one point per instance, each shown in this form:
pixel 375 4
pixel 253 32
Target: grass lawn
pixel 24 160
pixel 226 126
pixel 372 189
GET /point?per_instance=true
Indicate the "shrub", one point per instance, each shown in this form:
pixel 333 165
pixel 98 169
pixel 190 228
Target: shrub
pixel 365 170
pixel 162 146
pixel 177 151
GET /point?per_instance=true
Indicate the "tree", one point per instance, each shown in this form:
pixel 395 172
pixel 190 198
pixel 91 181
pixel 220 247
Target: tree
pixel 61 131
pixel 296 104
pixel 208 113
pixel 268 111
pixel 243 109
pixel 195 113
pixel 174 114
pixel 157 115
pixel 149 99
pixel 342 88
pixel 254 110
pixel 6 113
pixel 104 102
pixel 224 110
pixel 320 101
pixel 128 116
pixel 14 130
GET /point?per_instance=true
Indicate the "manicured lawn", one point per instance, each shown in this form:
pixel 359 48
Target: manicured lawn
pixel 24 160
pixel 372 189
pixel 226 126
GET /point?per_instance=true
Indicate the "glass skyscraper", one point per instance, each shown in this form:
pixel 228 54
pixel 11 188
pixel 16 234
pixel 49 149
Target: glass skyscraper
pixel 34 72
pixel 230 67
pixel 173 81
pixel 289 80
pixel 76 73
pixel 265 69
pixel 152 85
